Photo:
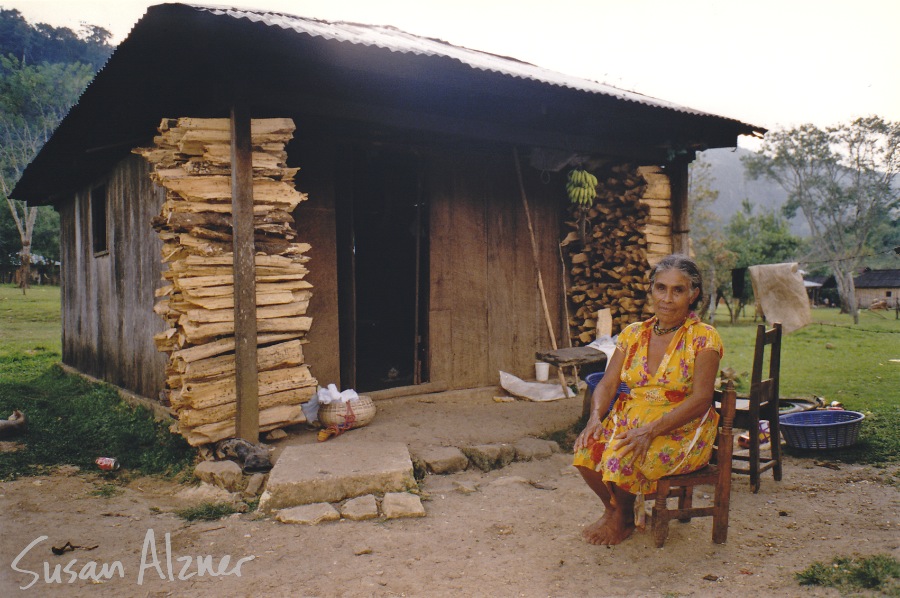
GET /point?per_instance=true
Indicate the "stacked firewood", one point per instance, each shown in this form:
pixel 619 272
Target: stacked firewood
pixel 657 196
pixel 612 245
pixel 192 161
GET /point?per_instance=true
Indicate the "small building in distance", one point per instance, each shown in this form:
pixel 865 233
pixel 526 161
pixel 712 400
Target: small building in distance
pixel 877 285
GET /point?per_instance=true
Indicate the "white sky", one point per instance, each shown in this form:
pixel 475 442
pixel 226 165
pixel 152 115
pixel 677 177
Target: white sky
pixel 773 63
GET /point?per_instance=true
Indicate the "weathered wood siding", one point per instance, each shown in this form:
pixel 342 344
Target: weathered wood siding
pixel 315 221
pixel 108 321
pixel 867 296
pixel 485 307
pixel 485 310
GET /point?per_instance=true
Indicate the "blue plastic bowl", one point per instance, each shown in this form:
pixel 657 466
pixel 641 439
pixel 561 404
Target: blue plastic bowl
pixel 821 429
pixel 594 379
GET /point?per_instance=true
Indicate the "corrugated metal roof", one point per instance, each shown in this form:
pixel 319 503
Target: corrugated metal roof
pixel 878 279
pixel 350 71
pixel 396 40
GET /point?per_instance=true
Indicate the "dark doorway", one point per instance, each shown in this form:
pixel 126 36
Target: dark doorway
pixel 383 336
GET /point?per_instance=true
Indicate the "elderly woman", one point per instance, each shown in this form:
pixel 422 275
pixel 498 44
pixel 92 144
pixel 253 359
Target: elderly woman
pixel 666 424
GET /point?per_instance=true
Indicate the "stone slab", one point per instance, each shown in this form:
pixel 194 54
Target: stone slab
pixel 444 459
pixel 309 514
pixel 488 457
pixel 206 493
pixel 224 474
pixel 334 471
pixel 402 504
pixel 528 449
pixel 360 508
pixel 254 486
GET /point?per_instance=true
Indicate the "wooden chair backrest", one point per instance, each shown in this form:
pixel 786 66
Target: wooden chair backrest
pixel 768 388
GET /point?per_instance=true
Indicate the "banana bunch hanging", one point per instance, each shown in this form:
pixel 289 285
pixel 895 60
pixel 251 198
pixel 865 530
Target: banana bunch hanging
pixel 581 187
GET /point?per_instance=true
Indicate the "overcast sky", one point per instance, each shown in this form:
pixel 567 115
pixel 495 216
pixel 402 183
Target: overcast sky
pixel 772 63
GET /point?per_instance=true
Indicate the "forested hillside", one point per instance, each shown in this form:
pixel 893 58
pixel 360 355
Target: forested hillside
pixel 37 43
pixel 43 71
pixel 728 178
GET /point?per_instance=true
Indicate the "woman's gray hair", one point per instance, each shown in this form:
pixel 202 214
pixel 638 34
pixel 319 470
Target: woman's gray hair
pixel 686 266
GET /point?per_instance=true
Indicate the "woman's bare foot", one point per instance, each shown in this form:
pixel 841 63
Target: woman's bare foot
pixel 591 530
pixel 610 529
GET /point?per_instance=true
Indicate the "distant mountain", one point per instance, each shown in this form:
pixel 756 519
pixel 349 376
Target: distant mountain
pixel 728 179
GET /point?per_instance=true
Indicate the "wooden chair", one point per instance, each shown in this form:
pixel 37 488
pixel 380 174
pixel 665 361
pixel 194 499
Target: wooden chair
pixel 716 474
pixel 763 405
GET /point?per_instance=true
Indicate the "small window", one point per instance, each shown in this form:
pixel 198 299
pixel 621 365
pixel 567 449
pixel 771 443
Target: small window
pixel 888 294
pixel 98 220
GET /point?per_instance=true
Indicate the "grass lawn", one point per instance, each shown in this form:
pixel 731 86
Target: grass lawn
pixel 838 361
pixel 30 321
pixel 70 421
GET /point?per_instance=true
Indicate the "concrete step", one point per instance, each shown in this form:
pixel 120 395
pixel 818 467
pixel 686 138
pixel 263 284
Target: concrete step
pixel 332 471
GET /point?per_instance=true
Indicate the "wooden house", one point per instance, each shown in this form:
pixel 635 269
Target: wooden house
pixel 409 149
pixel 876 286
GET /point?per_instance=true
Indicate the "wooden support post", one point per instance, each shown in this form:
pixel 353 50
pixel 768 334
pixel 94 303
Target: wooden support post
pixel 246 374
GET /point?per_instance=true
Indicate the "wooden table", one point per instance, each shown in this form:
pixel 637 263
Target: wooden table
pixel 573 357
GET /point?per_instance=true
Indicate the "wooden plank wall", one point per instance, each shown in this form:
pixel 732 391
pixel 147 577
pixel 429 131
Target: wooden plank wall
pixel 107 313
pixel 485 310
pixel 316 225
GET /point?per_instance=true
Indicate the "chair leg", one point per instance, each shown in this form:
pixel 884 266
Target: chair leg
pixel 685 501
pixel 753 463
pixel 659 525
pixel 774 438
pixel 720 513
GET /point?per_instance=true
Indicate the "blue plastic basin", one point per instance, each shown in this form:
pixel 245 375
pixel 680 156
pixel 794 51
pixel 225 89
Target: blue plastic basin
pixel 594 379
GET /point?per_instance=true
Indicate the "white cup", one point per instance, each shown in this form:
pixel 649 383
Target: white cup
pixel 541 371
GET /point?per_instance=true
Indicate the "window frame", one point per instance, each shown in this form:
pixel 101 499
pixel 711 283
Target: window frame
pixel 99 204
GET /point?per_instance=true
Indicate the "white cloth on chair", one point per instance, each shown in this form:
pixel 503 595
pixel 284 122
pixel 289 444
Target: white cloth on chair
pixel 781 294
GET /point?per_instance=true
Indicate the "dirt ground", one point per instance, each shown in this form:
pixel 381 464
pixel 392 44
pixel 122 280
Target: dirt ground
pixel 516 534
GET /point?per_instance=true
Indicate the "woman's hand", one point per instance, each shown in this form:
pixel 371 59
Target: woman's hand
pixel 637 441
pixel 591 431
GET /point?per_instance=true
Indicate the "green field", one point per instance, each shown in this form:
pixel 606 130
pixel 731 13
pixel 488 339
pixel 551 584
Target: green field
pixel 70 420
pixel 831 358
pixel 857 365
pixel 29 321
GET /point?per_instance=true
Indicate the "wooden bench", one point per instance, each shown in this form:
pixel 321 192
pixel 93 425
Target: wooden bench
pixel 573 357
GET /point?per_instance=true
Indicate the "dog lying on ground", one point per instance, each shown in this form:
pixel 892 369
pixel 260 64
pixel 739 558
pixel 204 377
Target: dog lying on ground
pixel 15 424
pixel 253 457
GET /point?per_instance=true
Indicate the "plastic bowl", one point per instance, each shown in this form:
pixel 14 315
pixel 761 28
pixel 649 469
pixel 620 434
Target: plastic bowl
pixel 821 429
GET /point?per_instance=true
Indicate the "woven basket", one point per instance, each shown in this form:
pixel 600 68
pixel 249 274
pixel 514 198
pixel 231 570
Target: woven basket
pixel 349 415
pixel 820 429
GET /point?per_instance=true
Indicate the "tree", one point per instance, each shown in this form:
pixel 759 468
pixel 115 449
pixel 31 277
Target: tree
pixel 35 44
pixel 33 100
pixel 43 70
pixel 707 237
pixel 841 179
pixel 754 239
pixel 763 238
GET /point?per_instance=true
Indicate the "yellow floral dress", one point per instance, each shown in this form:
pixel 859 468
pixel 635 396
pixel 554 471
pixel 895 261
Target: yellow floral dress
pixel 652 395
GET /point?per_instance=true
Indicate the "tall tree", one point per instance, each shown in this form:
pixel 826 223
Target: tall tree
pixel 33 99
pixel 842 180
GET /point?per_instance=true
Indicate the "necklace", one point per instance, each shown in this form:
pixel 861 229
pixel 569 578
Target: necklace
pixel 661 331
